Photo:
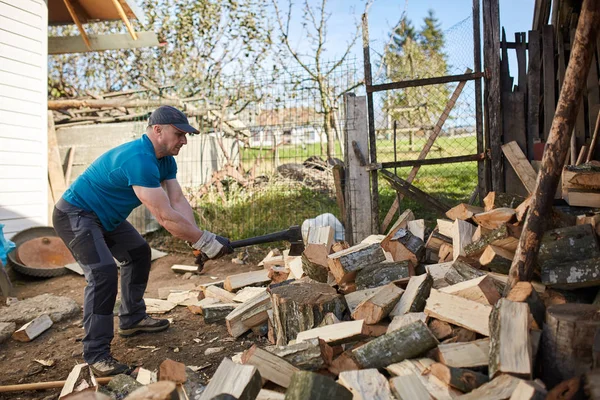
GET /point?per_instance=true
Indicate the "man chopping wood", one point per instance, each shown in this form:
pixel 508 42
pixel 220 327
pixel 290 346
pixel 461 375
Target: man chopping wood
pixel 90 219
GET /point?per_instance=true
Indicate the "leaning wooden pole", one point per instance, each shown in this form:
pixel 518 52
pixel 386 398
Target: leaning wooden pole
pixel 557 145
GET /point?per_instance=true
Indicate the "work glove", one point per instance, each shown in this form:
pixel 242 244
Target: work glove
pixel 213 246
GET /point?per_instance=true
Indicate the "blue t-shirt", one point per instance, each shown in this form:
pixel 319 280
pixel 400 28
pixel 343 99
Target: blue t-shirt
pixel 105 187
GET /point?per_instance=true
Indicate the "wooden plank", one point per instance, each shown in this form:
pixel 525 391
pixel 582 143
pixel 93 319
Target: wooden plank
pixel 428 145
pixel 514 128
pixel 247 293
pixel 593 96
pixel 358 205
pixel 217 293
pixel 459 311
pixel 75 44
pixel 343 332
pixel 521 166
pixel 549 77
pixel 533 91
pixel 55 172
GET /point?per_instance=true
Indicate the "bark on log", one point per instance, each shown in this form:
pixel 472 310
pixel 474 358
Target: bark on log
pixel 562 245
pixel 311 355
pixel 407 342
pixel 557 145
pixel 461 272
pixel 310 385
pixel 462 379
pixel 572 274
pixel 217 312
pixel 383 273
pixel 500 200
pixel 524 292
pixel 345 264
pixel 567 341
pixel 377 307
pixel 414 297
pixel 496 259
pixel 300 307
pixel 496 237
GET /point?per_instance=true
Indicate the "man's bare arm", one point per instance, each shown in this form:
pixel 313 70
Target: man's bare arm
pixel 178 200
pixel 156 200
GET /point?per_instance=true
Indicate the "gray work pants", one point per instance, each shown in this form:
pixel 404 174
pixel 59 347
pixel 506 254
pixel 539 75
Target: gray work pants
pixel 94 248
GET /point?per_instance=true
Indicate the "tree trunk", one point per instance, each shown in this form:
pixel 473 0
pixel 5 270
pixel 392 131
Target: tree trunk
pixel 557 145
pixel 567 341
pixel 300 307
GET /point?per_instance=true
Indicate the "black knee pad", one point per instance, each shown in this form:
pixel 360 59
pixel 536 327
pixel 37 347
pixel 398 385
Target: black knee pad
pixel 104 286
pixel 140 261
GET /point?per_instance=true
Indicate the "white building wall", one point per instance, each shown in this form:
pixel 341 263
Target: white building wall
pixel 23 114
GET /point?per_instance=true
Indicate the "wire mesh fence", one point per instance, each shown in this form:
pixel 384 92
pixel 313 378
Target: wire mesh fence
pixel 406 119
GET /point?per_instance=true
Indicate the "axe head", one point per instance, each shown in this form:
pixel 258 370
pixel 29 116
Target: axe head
pixel 295 239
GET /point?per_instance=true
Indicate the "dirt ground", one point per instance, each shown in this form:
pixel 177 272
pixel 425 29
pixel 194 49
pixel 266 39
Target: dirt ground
pixel 185 341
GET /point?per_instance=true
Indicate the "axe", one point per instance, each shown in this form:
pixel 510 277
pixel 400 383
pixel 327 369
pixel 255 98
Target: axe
pixel 293 235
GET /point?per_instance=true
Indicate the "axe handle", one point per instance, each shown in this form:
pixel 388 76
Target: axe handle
pixel 271 237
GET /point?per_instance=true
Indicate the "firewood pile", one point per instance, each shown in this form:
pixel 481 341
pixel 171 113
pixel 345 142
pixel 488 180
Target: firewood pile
pixel 411 316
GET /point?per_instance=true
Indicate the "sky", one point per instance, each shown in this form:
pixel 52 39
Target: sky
pixel 515 16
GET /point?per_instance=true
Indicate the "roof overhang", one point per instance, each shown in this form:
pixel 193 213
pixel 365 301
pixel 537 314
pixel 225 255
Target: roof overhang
pixel 91 11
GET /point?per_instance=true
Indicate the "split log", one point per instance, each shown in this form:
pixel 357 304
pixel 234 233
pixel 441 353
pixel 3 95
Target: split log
pixel 243 382
pixel 344 362
pixel 568 340
pixel 480 232
pixel 221 294
pixel 377 307
pixel 417 228
pixel 420 367
pixel 278 274
pixel 504 237
pixel 524 292
pixel 460 272
pixel 217 312
pixel 571 389
pixel 311 355
pixel 406 319
pixel 145 376
pixel 164 292
pixel 80 379
pixel 173 371
pixel 529 390
pixel 266 394
pixel 314 262
pixel 440 329
pixel 463 211
pixel 446 253
pixel 510 348
pixel 355 298
pixel 444 227
pixel 339 246
pixel 438 273
pixel 464 355
pixel 182 269
pixel 407 342
pixel 500 388
pixel 33 329
pixel 238 320
pixel 366 384
pixel 407 387
pixel 345 264
pixel 501 200
pixel 295 267
pixel 460 334
pixel 414 297
pixel 496 259
pixel 236 282
pixel 495 218
pixel 459 378
pixel 462 235
pixel 558 247
pixel 271 327
pixel 300 307
pixel 344 332
pixel 482 290
pixel 246 294
pixel 459 311
pixel 164 390
pixel 322 235
pixel 502 279
pixel 383 273
pixel 403 245
pixel 271 367
pixel 310 385
pixel 436 239
pixel 199 306
pixel 572 274
pixel 185 298
pixel 329 319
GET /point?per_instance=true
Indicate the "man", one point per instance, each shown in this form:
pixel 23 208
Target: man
pixel 90 219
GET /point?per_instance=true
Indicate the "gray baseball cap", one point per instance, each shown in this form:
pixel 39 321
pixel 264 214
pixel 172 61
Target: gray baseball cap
pixel 168 115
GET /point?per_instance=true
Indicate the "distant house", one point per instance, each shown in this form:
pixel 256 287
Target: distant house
pixel 24 49
pixel 295 126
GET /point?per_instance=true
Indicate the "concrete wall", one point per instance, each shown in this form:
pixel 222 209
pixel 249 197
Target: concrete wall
pixel 195 163
pixel 23 115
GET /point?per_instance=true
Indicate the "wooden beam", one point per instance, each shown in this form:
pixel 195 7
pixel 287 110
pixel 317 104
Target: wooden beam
pixel 75 18
pixel 121 12
pixel 423 154
pixel 522 167
pixel 557 144
pixel 76 44
pixel 469 75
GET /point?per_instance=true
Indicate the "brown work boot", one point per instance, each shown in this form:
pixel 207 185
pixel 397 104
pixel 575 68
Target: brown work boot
pixel 109 366
pixel 147 324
